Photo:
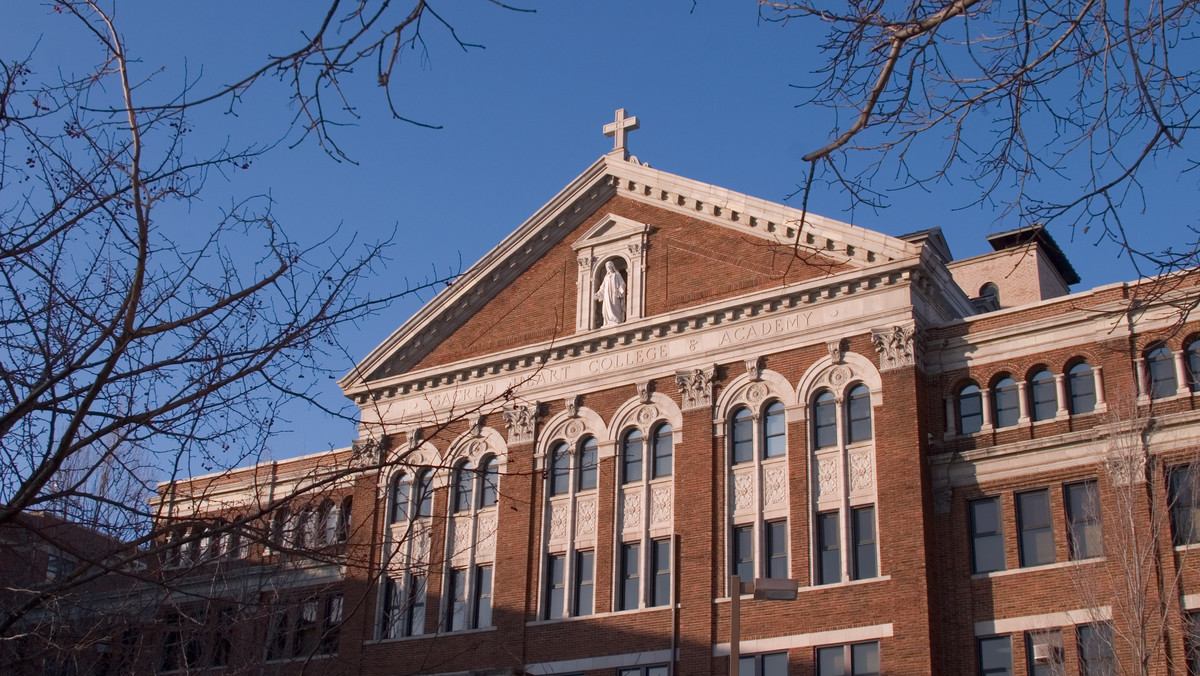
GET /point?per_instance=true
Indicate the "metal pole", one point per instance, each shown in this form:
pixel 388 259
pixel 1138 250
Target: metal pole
pixel 735 621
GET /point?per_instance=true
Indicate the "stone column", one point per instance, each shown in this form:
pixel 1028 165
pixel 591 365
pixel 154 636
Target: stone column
pixel 1143 396
pixel 951 419
pixel 985 403
pixel 1060 387
pixel 1181 374
pixel 1098 385
pixel 1023 403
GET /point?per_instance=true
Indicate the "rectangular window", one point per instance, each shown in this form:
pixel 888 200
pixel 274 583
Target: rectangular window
pixel 825 421
pixel 776 549
pixel 664 451
pixel 1191 625
pixel 1185 505
pixel 829 549
pixel 307 629
pixel 863 525
pixel 333 624
pixel 1043 652
pixel 987 535
pixel 856 659
pixel 1085 536
pixel 1096 656
pixel 743 553
pixel 456 588
pixel 660 565
pixel 630 576
pixel 656 670
pixel 554 586
pixel 585 566
pixel 483 596
pixel 415 625
pixel 995 656
pixel 1035 530
pixel 770 664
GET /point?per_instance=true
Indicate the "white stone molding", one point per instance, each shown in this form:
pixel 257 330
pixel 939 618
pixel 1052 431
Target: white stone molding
pixel 631 510
pixel 460 552
pixel 837 377
pixel 1060 390
pixel 634 413
pixel 475 446
pixel 1098 379
pixel 775 485
pixel 837 348
pixel 695 387
pixel 585 517
pixel 485 545
pixel 571 405
pixel 862 471
pixel 752 392
pixel 612 237
pixel 896 346
pixel 661 500
pixel 754 368
pixel 827 478
pixel 562 427
pixel 743 491
pixel 560 511
pixel 522 422
pixel 645 388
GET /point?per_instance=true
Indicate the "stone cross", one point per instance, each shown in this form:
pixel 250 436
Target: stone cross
pixel 618 129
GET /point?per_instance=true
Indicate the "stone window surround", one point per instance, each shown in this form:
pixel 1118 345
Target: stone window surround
pixel 612 237
pixel 1025 419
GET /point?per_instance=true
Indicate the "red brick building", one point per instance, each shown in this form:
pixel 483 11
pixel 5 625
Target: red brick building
pixel 654 383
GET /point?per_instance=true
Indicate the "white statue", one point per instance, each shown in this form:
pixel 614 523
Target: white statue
pixel 611 295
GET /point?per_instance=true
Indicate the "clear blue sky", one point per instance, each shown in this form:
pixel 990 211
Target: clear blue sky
pixel 521 118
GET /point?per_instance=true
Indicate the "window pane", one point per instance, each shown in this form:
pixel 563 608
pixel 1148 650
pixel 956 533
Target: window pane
pixel 416 607
pixel 1043 652
pixel 1082 386
pixel 1096 650
pixel 585 565
pixel 1005 402
pixel 743 553
pixel 859 415
pixel 829 565
pixel 864 659
pixel 464 479
pixel 987 536
pixel 825 421
pixel 631 457
pixel 630 576
pixel 490 490
pixel 1036 539
pixel 774 431
pixel 664 443
pixel 1185 512
pixel 554 586
pixel 424 498
pixel 1193 365
pixel 742 436
pixel 970 410
pixel 1161 365
pixel 400 499
pixel 1044 395
pixel 483 596
pixel 1085 536
pixel 588 455
pixel 456 586
pixel 560 475
pixel 777 549
pixel 995 656
pixel 831 661
pixel 864 543
pixel 774 664
pixel 660 555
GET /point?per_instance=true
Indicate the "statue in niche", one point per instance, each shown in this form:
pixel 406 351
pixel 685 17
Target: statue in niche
pixel 611 295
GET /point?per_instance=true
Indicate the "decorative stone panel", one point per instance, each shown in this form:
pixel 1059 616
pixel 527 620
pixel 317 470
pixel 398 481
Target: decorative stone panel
pixel 743 490
pixel 862 471
pixel 895 346
pixel 631 510
pixel 485 537
pixel 585 517
pixel 775 485
pixel 695 387
pixel 660 504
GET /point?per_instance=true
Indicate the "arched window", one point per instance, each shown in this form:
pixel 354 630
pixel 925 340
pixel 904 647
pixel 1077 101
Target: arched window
pixel 1006 404
pixel 664 451
pixel 1160 364
pixel 1043 396
pixel 970 409
pixel 1192 353
pixel 279 526
pixel 560 469
pixel 344 512
pixel 824 417
pixel 302 532
pixel 1081 386
pixel 774 431
pixel 990 290
pixel 234 546
pixel 631 457
pixel 490 490
pixel 423 497
pixel 741 435
pixel 464 481
pixel 568 561
pixel 858 415
pixel 326 522
pixel 401 487
pixel 407 544
pixel 586 470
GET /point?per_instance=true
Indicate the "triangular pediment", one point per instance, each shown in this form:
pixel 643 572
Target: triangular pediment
pixel 727 238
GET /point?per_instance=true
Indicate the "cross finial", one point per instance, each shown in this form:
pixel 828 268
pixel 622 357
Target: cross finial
pixel 618 129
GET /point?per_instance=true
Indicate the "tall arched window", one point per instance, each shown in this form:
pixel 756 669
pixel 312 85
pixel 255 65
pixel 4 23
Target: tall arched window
pixel 631 457
pixel 643 554
pixel 1006 403
pixel 327 522
pixel 1043 396
pixel 824 415
pixel 406 552
pixel 467 597
pixel 664 452
pixel 774 431
pixel 1081 387
pixel 586 470
pixel 568 568
pixel 1160 367
pixel 344 512
pixel 741 436
pixel 970 409
pixel 489 490
pixel 560 469
pixel 858 415
pixel 757 542
pixel 464 482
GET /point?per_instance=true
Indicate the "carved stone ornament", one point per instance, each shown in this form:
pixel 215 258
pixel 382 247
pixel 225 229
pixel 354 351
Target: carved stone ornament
pixel 862 472
pixel 462 537
pixel 774 485
pixel 660 505
pixel 754 368
pixel 368 452
pixel 827 477
pixel 631 509
pixel 837 350
pixel 416 437
pixel 586 262
pixel 840 375
pixel 743 492
pixel 646 415
pixel 637 249
pixel 645 389
pixel 756 393
pixel 486 533
pixel 521 419
pixel 558 520
pixel 695 386
pixel 477 423
pixel 574 429
pixel 585 517
pixel 572 403
pixel 895 346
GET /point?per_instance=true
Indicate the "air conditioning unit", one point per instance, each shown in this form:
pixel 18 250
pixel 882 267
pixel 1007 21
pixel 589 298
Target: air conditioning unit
pixel 1045 652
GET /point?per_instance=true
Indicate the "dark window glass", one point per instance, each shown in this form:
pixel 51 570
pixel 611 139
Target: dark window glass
pixel 1191 625
pixel 630 575
pixel 393 607
pixel 424 496
pixel 416 606
pixel 1043 652
pixel 1006 405
pixel 585 566
pixel 483 596
pixel 1184 496
pixel 560 472
pixel 774 431
pixel 863 523
pixel 825 420
pixel 858 415
pixel 1085 536
pixel 1161 366
pixel 307 629
pixel 631 457
pixel 489 491
pixel 276 641
pixel 344 514
pixel 1043 394
pixel 831 661
pixel 995 656
pixel 456 587
pixel 829 549
pixel 742 436
pixel 588 456
pixel 333 624
pixel 464 480
pixel 1192 353
pixel 660 563
pixel 970 410
pixel 1082 385
pixel 653 670
pixel 664 451
pixel 771 664
pixel 864 658
pixel 554 586
pixel 776 549
pixel 1096 656
pixel 987 536
pixel 1035 529
pixel 743 553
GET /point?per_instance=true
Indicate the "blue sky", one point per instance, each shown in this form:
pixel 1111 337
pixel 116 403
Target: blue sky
pixel 710 84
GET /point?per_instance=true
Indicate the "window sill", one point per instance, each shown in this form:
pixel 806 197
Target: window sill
pixel 615 613
pixel 288 660
pixel 818 587
pixel 1032 569
pixel 1188 547
pixel 440 634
